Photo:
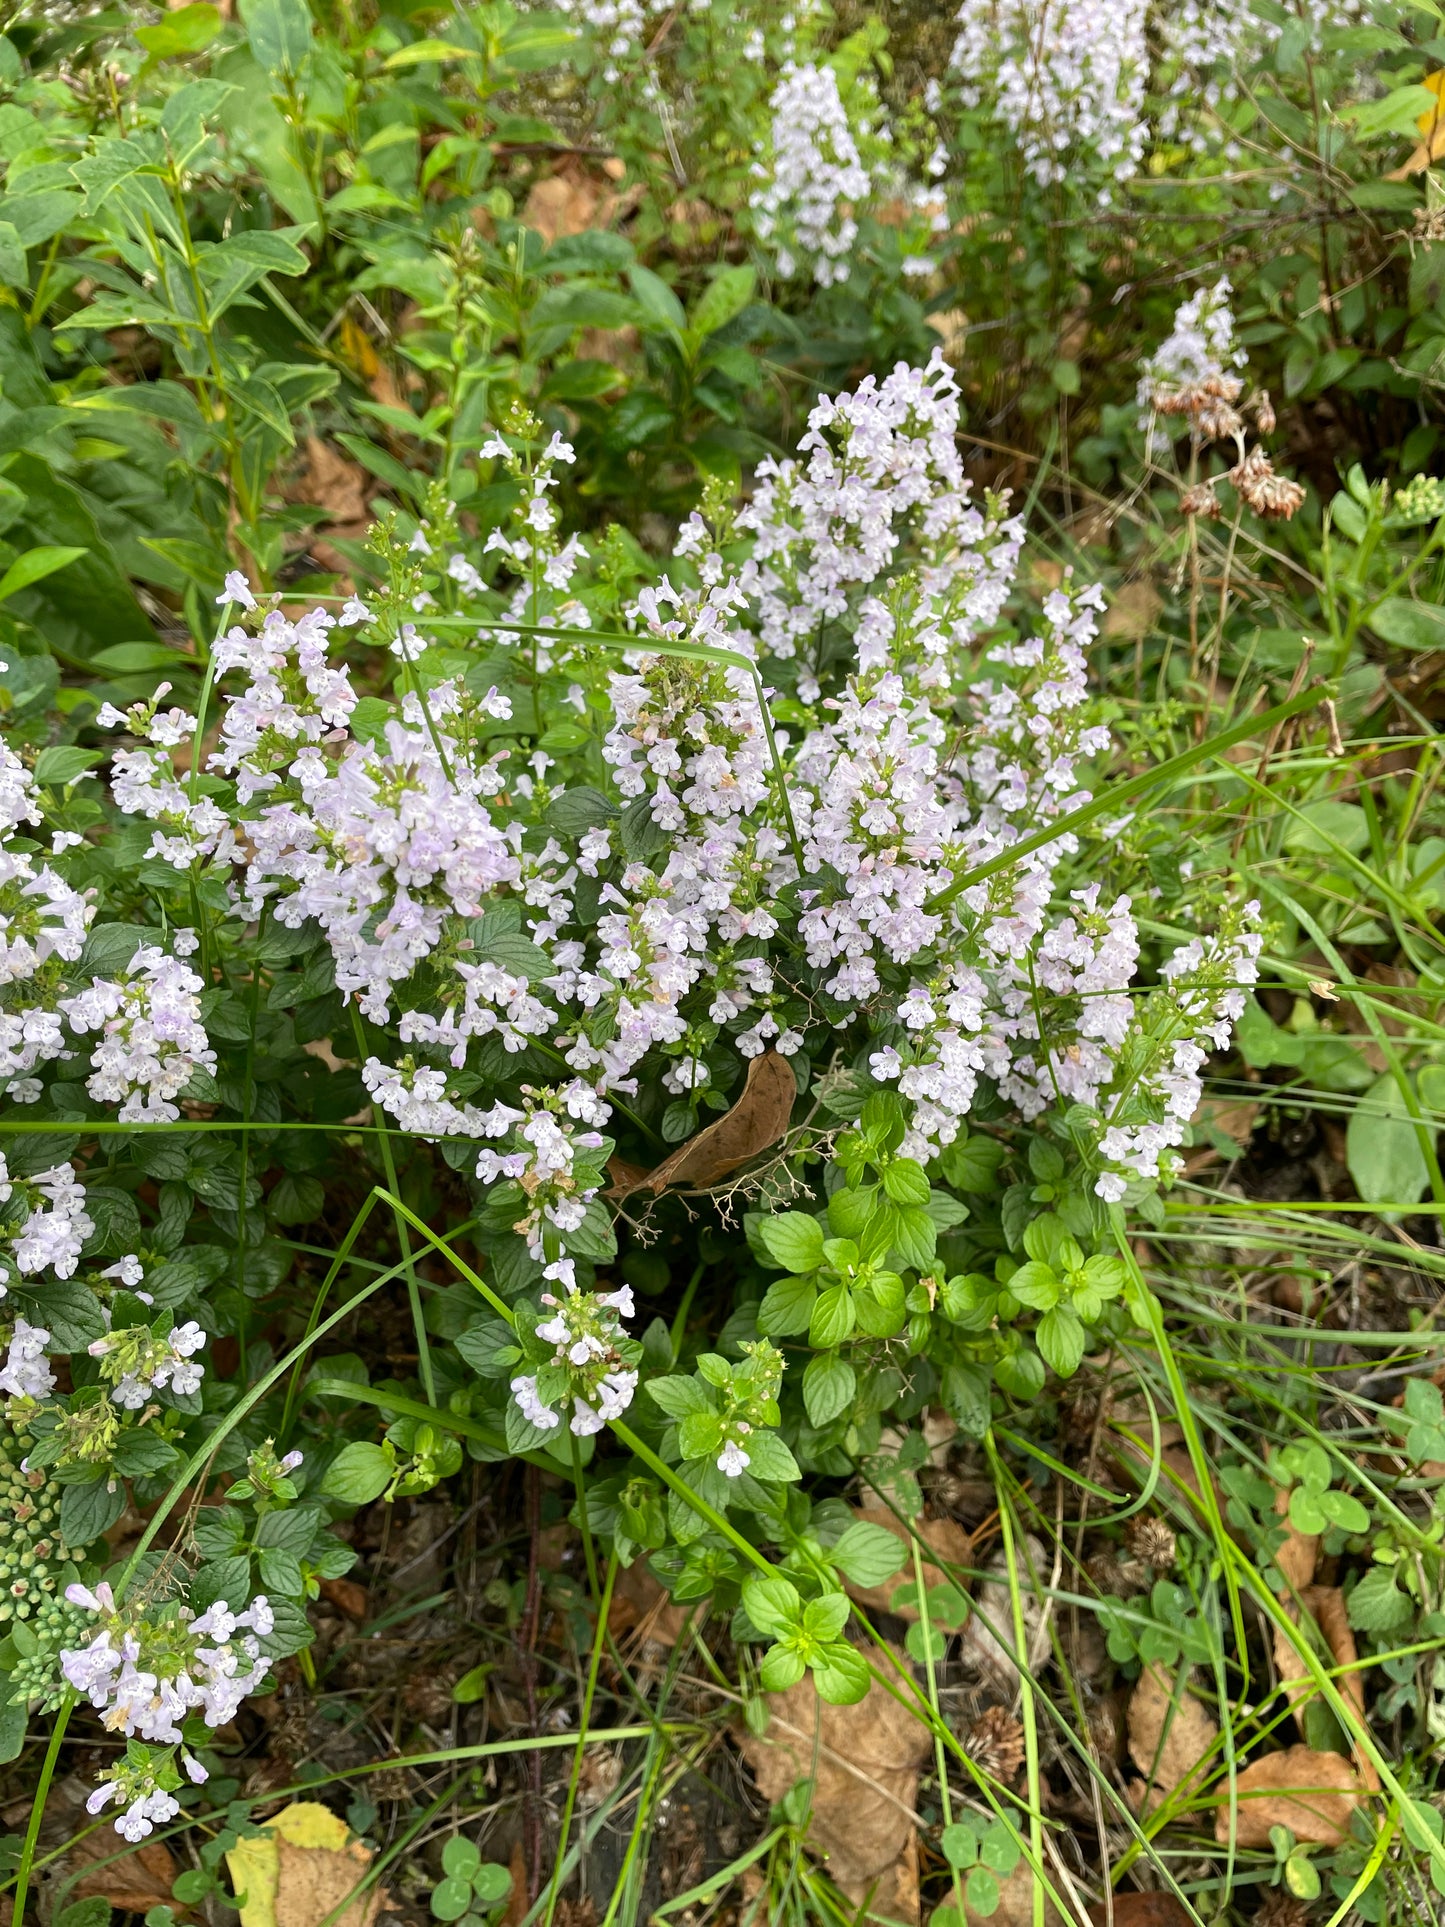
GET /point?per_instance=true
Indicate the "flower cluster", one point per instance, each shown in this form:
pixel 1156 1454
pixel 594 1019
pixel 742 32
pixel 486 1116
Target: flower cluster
pixel 1158 1085
pixel 545 954
pixel 592 1366
pixel 43 1223
pixel 804 201
pixel 1067 78
pixel 146 1672
pixel 139 1361
pixel 152 1041
pixel 43 924
pixel 144 1785
pixel 146 782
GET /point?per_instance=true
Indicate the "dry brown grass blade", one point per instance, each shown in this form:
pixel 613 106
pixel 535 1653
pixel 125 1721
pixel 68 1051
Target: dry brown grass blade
pixel 1313 1794
pixel 753 1125
pixel 863 1823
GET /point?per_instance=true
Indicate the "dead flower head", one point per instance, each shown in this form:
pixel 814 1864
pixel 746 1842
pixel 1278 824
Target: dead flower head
pixel 1201 500
pixel 995 1743
pixel 1273 496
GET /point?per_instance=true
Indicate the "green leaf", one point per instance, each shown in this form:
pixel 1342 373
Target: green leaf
pixel 63 763
pixel 296 1199
pixel 460 1857
pixel 868 1554
pixel 280 34
pixel 471 1687
pixel 34 566
pixel 186 31
pixel 723 300
pixel 360 1473
pixel 982 1893
pixel 787 1307
pixel 841 1673
pixel 833 1318
pixel 450 1898
pixel 782 1667
pixel 770 1458
pixel 424 53
pixel 1061 1337
pixel 1408 624
pixel 794 1240
pixel 14 264
pixel 1377 1604
pixel 678 1396
pixel 1382 1147
pixel 905 1182
pixel 86 1511
pixel 829 1385
pixel 660 306
pixel 960 1844
pixel 14 1718
pixel 773 1605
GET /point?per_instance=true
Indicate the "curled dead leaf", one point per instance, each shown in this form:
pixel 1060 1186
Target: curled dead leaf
pixel 945 1539
pixel 1170 1733
pixel 753 1125
pixel 988 1644
pixel 1313 1794
pixel 346 1596
pixel 863 1823
pixel 331 481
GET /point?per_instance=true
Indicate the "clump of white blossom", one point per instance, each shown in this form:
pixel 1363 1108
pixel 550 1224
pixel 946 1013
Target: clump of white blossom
pixel 803 205
pixel 1067 78
pixel 651 942
pixel 152 1041
pixel 146 1672
pixel 593 1363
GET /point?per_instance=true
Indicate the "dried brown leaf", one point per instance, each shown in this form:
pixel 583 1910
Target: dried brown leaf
pixel 133 1881
pixel 642 1609
pixel 1313 1794
pixel 311 1881
pixel 1326 1604
pixel 331 481
pixel 1140 1910
pixel 863 1823
pixel 1299 1555
pixel 572 199
pixel 1169 1731
pixel 1015 1904
pixel 347 1596
pixel 945 1538
pixel 755 1123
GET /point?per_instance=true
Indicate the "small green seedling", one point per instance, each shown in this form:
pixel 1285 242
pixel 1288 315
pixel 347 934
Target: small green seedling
pixel 473 1891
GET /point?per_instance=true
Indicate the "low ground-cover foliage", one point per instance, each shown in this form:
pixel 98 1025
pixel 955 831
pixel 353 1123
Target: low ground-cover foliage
pixel 720 833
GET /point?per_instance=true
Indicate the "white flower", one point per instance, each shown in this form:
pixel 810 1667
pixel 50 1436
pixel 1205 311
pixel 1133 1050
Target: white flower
pixel 733 1460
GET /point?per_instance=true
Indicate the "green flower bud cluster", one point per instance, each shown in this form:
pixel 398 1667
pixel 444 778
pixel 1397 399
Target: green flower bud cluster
pixel 1422 499
pixel 31 1555
pixel 55 1627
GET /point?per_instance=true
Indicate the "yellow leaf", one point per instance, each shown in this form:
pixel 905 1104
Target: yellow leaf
pixel 305 1865
pixel 1432 127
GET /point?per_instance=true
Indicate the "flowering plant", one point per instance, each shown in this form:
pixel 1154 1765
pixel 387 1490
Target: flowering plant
pixel 550 867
